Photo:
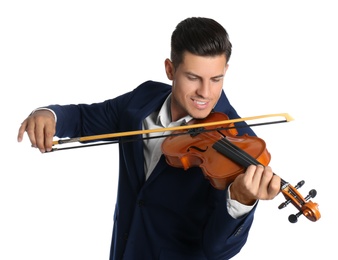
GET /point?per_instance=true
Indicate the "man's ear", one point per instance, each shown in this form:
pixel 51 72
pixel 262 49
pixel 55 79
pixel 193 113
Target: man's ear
pixel 226 68
pixel 169 69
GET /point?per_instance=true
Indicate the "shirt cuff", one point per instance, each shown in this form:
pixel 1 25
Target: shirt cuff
pixel 236 209
pixel 44 108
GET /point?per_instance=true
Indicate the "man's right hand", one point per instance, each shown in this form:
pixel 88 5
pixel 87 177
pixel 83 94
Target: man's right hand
pixel 40 127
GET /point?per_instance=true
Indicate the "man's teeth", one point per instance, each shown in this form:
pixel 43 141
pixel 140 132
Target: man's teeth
pixel 200 102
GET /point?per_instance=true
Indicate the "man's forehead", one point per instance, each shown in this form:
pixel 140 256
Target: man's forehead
pixel 195 64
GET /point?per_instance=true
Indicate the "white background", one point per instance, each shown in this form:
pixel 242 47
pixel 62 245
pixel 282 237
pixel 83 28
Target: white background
pixel 60 205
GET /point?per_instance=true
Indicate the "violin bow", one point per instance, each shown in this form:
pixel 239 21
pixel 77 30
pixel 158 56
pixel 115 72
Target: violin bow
pixel 286 118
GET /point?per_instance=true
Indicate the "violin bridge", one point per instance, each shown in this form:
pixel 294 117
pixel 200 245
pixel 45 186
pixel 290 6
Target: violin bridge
pixel 195 131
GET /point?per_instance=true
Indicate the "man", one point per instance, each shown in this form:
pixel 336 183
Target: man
pixel 163 212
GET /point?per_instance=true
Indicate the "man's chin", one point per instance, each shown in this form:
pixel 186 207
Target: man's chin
pixel 200 115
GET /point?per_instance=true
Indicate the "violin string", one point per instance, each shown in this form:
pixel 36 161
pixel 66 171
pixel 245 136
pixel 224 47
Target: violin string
pixel 226 144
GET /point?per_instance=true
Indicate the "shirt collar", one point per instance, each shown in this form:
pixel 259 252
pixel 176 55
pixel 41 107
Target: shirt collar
pixel 164 115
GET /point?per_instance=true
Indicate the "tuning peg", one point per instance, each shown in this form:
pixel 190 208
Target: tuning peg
pixel 293 218
pixel 284 204
pixel 299 184
pixel 312 194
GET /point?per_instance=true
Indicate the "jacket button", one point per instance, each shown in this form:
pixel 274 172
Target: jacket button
pixel 141 203
pixel 238 231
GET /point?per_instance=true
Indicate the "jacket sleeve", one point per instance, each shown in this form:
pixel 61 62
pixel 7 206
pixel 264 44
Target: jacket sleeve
pixel 108 116
pixel 225 236
pixel 88 119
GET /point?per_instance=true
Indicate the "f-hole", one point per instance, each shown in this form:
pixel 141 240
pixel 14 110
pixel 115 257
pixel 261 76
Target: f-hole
pixel 197 148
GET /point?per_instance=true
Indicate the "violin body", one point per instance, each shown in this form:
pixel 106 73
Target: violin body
pixel 196 150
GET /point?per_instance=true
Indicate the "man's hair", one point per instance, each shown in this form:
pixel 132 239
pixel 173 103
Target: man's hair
pixel 199 36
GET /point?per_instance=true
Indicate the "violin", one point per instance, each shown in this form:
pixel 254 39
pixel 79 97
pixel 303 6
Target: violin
pixel 222 156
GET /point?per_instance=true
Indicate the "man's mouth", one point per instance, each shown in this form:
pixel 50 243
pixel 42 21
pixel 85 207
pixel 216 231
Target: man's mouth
pixel 200 104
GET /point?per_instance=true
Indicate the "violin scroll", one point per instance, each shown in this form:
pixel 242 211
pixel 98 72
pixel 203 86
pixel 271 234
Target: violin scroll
pixel 305 206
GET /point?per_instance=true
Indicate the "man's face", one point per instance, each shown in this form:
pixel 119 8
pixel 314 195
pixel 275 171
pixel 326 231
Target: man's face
pixel 196 85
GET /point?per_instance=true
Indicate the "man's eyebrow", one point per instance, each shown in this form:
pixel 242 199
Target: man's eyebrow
pixel 197 76
pixel 218 76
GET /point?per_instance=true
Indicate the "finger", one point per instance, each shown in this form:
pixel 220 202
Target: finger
pixel 30 130
pixel 40 134
pixel 22 130
pixel 251 171
pixel 255 173
pixel 274 186
pixel 270 184
pixel 266 176
pixel 49 132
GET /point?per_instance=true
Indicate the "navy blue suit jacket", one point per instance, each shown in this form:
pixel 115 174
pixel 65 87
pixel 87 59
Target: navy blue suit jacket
pixel 175 214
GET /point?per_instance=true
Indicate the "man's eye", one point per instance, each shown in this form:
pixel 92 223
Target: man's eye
pixel 216 80
pixel 192 78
